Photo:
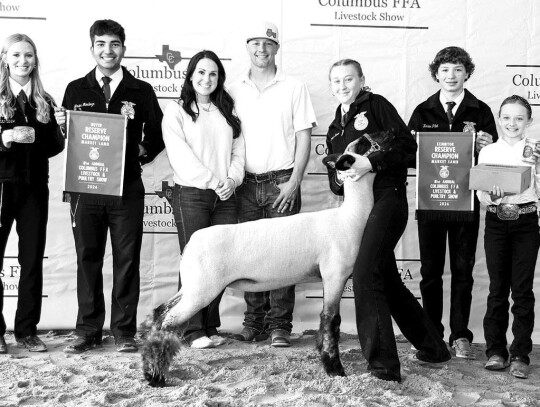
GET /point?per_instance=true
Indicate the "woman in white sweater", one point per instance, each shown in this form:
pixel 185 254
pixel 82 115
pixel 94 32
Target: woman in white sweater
pixel 206 151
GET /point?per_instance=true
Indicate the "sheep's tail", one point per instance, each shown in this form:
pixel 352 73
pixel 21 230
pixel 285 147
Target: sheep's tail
pixel 155 320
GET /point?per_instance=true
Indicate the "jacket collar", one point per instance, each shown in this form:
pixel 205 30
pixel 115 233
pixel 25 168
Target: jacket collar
pixel 279 77
pixel 469 100
pixel 361 98
pixel 128 80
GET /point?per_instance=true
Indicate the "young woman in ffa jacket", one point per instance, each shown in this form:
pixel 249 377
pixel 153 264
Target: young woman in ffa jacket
pixel 378 290
pixel 28 139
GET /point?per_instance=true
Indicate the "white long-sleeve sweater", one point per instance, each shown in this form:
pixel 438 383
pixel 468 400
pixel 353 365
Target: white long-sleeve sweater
pixel 503 153
pixel 202 153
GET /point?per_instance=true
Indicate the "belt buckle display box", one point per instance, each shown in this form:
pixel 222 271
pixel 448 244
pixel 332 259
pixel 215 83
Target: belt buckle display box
pixel 511 178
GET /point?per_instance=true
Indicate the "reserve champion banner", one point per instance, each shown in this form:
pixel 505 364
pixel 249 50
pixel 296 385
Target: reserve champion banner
pixel 443 164
pixel 95 153
pixel 394 40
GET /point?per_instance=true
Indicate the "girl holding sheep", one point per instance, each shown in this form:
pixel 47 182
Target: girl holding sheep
pixel 378 290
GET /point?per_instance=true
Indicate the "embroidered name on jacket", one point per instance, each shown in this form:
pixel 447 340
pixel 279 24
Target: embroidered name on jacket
pixel 85 104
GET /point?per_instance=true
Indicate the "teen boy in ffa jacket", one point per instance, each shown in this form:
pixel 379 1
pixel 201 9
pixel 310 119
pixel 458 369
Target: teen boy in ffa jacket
pixel 110 88
pixel 455 109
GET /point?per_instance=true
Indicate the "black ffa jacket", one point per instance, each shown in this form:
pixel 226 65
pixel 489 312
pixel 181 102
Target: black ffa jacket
pixel 370 113
pixel 29 163
pixel 471 115
pixel 85 94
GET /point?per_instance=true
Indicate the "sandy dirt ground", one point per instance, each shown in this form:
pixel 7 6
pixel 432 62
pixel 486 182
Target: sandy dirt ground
pixel 251 374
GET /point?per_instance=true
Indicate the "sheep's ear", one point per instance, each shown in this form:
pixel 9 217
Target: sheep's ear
pixel 330 160
pixel 345 162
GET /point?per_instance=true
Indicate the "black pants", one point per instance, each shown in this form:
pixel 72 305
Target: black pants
pixel 125 225
pixel 462 239
pixel 511 252
pixel 28 205
pixel 196 209
pixel 380 294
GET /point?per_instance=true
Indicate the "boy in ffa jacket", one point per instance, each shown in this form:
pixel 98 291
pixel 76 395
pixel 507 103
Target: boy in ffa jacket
pixel 452 108
pixel 110 88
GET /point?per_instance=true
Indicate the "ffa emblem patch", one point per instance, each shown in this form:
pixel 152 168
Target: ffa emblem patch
pixel 94 153
pixel 361 121
pixel 444 173
pixel 469 127
pixel 128 110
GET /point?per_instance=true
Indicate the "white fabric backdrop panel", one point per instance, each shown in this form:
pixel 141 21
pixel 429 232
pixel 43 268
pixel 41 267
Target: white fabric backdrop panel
pixel 394 40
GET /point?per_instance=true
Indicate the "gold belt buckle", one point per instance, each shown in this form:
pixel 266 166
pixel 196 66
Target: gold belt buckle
pixel 508 211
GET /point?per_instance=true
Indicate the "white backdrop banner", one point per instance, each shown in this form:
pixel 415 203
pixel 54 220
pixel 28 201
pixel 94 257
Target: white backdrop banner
pixel 394 40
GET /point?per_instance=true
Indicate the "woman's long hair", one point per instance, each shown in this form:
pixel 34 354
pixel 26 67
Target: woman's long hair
pixel 39 99
pixel 220 97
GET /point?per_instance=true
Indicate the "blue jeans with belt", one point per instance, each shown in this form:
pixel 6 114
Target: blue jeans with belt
pixel 195 209
pixel 267 310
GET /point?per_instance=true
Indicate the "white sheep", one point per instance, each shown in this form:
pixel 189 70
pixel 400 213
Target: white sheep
pixel 296 249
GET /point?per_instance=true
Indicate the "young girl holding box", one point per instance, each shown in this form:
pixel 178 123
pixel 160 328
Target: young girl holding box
pixel 511 242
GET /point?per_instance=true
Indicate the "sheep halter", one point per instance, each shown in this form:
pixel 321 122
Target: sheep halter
pixel 374 145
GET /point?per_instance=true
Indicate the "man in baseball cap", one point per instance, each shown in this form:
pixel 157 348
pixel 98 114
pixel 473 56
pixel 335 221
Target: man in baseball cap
pixel 277 118
pixel 264 29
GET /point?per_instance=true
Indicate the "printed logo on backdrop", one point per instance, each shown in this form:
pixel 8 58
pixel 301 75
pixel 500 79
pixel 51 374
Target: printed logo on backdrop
pixel 526 80
pixel 15 11
pixel 170 57
pixel 370 13
pixel 10 274
pixel 158 214
pixel 316 292
pixel 165 71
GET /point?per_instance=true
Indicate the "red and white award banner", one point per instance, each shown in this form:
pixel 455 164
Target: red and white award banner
pixel 443 164
pixel 95 158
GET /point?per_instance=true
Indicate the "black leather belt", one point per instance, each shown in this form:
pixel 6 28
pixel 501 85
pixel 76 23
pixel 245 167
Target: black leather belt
pixel 511 211
pixel 267 176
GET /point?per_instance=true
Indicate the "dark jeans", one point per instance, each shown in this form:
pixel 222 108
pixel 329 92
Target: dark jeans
pixel 462 238
pixel 511 252
pixel 267 310
pixel 125 223
pixel 196 209
pixel 380 294
pixel 28 205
